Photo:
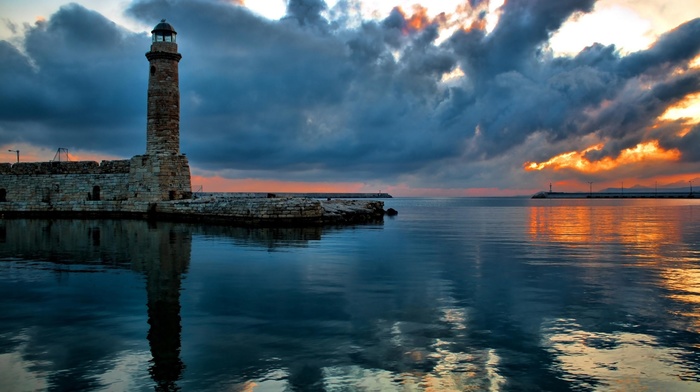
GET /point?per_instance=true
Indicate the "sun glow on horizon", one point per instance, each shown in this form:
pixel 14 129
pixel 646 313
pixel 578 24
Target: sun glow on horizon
pixel 216 183
pixel 30 153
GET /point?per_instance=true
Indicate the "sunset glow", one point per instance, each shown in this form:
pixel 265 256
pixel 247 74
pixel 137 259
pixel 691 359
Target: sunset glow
pixel 30 153
pixel 688 108
pixel 649 151
pixel 419 20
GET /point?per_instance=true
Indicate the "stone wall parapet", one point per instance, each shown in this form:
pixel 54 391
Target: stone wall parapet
pixel 115 167
pixel 65 167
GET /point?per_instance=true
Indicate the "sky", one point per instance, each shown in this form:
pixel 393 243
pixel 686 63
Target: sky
pixel 447 98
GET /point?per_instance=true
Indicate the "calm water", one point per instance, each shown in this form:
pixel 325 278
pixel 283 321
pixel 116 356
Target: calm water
pixel 452 294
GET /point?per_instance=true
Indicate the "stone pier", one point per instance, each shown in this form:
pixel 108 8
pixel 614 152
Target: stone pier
pixel 233 211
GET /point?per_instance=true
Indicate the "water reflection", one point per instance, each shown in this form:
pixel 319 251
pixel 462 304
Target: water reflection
pixel 622 251
pixel 461 297
pixel 645 225
pixel 57 336
pixel 618 360
pixel 164 267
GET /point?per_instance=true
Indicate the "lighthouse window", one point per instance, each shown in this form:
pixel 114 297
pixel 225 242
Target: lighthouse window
pixel 153 69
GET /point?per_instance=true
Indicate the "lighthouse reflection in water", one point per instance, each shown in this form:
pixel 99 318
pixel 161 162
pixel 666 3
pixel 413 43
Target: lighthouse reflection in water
pixel 452 294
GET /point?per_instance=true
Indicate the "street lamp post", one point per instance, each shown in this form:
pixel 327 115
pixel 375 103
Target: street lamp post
pixel 590 188
pixel 16 151
pixel 691 186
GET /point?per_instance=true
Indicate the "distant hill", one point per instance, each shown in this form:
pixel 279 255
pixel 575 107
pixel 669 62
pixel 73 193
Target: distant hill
pixel 678 186
pixel 684 184
pixel 647 189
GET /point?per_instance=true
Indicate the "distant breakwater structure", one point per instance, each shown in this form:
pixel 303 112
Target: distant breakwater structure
pixel 157 184
pixel 632 194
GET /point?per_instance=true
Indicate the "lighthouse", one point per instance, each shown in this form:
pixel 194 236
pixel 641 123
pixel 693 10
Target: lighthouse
pixel 163 129
pixel 162 173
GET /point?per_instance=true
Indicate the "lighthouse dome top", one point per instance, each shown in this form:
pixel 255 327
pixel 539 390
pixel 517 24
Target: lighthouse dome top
pixel 163 32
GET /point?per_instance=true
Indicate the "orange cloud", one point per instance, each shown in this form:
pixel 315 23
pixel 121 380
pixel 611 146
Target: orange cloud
pixel 419 20
pixel 478 18
pixel 648 151
pixel 416 22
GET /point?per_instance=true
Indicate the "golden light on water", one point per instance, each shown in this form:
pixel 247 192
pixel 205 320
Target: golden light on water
pixel 647 236
pixel 620 361
pixel 583 225
pixel 577 160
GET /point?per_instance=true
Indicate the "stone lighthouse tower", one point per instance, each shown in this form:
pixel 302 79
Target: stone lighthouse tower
pixel 163 129
pixel 163 173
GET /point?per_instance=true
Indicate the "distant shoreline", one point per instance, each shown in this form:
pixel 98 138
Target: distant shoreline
pixel 616 195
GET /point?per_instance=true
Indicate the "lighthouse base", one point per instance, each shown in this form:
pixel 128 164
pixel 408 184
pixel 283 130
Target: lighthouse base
pixel 155 177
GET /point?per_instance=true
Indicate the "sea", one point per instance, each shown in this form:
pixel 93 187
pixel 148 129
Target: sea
pixel 451 294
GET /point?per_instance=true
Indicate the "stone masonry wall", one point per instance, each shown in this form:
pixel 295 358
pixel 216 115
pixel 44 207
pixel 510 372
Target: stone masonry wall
pixel 142 178
pixel 254 209
pixel 49 182
pixel 159 177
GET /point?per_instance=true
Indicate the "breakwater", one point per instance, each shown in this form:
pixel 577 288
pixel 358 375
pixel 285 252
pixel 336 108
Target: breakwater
pixel 616 195
pixel 239 211
pixel 312 195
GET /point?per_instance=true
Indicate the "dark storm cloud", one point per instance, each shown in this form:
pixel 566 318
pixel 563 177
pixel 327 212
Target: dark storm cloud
pixel 296 99
pixel 670 50
pixel 311 98
pixel 76 85
pixel 688 144
pixel 524 26
pixel 596 92
pixel 307 12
